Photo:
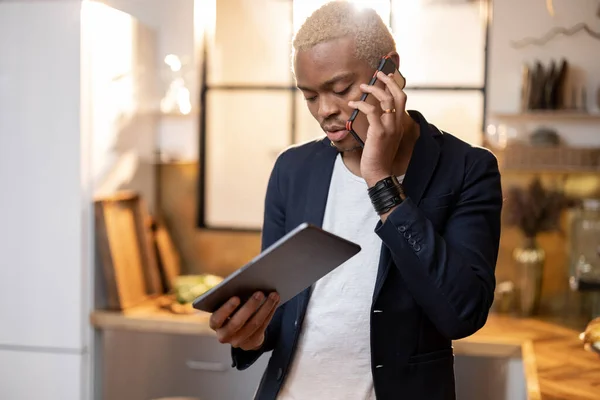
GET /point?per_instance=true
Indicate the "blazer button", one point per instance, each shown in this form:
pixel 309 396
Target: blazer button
pixel 279 374
pixel 412 242
pixel 417 247
pixel 402 228
pixel 295 323
pixel 407 235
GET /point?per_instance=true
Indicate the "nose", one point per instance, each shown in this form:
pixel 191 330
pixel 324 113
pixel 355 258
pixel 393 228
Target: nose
pixel 328 107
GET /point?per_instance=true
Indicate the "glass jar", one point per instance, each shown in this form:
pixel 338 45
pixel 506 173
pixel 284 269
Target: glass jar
pixel 584 249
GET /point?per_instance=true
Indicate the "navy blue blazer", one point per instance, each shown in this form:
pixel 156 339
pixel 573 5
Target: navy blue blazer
pixel 435 280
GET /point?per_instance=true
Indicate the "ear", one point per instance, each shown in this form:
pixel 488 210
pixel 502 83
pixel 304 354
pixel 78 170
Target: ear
pixel 395 58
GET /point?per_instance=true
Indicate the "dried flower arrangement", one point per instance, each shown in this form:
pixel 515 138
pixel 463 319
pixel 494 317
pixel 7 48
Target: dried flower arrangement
pixel 534 208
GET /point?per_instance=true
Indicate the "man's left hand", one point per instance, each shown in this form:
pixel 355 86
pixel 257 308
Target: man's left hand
pixel 385 129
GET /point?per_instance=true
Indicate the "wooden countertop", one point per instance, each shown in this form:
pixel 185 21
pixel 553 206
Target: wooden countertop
pixel 149 317
pixel 556 365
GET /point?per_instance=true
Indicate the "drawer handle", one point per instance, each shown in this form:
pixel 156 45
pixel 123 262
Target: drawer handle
pixel 206 366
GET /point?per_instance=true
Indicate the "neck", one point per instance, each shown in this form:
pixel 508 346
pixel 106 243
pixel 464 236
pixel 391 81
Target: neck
pixel 411 133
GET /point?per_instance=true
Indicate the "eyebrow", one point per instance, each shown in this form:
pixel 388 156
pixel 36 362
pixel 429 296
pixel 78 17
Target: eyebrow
pixel 329 82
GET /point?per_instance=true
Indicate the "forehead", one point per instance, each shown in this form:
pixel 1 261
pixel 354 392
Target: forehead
pixel 326 60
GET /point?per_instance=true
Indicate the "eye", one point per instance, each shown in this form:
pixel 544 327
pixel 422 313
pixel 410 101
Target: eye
pixel 310 99
pixel 343 92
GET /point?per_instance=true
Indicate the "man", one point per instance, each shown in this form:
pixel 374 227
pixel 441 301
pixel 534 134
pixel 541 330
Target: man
pixel 425 208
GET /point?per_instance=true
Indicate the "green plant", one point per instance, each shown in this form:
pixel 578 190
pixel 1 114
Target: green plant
pixel 535 208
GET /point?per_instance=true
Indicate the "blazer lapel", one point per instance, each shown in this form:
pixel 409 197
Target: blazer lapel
pixel 423 161
pixel 316 200
pixel 318 185
pixel 418 175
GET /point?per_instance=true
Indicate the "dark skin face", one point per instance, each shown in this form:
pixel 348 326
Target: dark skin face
pixel 329 76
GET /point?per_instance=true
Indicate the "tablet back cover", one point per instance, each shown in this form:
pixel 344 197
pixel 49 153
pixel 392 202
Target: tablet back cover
pixel 289 266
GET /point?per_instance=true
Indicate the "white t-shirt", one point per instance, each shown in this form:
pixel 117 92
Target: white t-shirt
pixel 333 357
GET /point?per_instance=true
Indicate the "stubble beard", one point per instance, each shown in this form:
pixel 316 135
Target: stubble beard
pixel 352 149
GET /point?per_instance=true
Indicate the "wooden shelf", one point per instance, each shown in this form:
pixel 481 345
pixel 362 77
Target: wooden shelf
pixel 550 115
pixel 560 159
pixel 176 163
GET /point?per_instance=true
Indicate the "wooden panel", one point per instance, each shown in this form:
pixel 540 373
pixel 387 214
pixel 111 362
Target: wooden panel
pixel 168 257
pixel 553 357
pixel 145 237
pixel 126 250
pixel 551 158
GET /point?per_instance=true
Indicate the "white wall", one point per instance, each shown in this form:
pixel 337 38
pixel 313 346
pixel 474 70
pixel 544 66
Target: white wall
pixel 120 100
pixel 45 231
pixel 173 24
pixel 517 19
pixel 119 104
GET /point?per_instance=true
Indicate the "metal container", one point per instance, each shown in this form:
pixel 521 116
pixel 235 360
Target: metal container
pixel 529 259
pixel 584 253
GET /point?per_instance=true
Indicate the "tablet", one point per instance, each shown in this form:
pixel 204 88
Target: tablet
pixel 287 267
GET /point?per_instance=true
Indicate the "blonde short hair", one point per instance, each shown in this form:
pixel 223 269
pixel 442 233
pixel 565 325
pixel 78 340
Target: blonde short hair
pixel 338 19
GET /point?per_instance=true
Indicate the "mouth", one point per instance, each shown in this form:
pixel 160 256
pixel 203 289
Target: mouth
pixel 335 134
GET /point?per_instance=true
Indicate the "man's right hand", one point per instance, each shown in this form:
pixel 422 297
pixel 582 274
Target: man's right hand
pixel 244 328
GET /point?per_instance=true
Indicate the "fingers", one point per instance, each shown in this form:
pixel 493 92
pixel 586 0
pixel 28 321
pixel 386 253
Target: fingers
pixel 373 116
pixel 256 339
pixel 396 91
pixel 245 327
pixel 237 321
pixel 392 107
pixel 219 317
pixel 391 116
pixel 257 323
pixel 383 95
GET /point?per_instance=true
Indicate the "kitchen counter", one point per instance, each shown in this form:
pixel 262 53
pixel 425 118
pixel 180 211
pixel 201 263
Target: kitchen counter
pixel 149 317
pixel 555 364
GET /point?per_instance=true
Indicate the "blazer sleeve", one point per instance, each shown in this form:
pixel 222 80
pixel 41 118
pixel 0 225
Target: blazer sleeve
pixel 273 230
pixel 451 276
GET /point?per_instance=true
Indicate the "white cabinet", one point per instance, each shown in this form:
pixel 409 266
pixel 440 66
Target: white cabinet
pixel 51 115
pixel 42 208
pixel 44 211
pixel 149 365
pixel 40 376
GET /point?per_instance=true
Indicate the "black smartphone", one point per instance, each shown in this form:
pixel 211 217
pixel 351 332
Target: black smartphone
pixel 358 124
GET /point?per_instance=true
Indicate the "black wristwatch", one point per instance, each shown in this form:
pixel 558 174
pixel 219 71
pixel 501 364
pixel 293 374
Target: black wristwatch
pixel 386 194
